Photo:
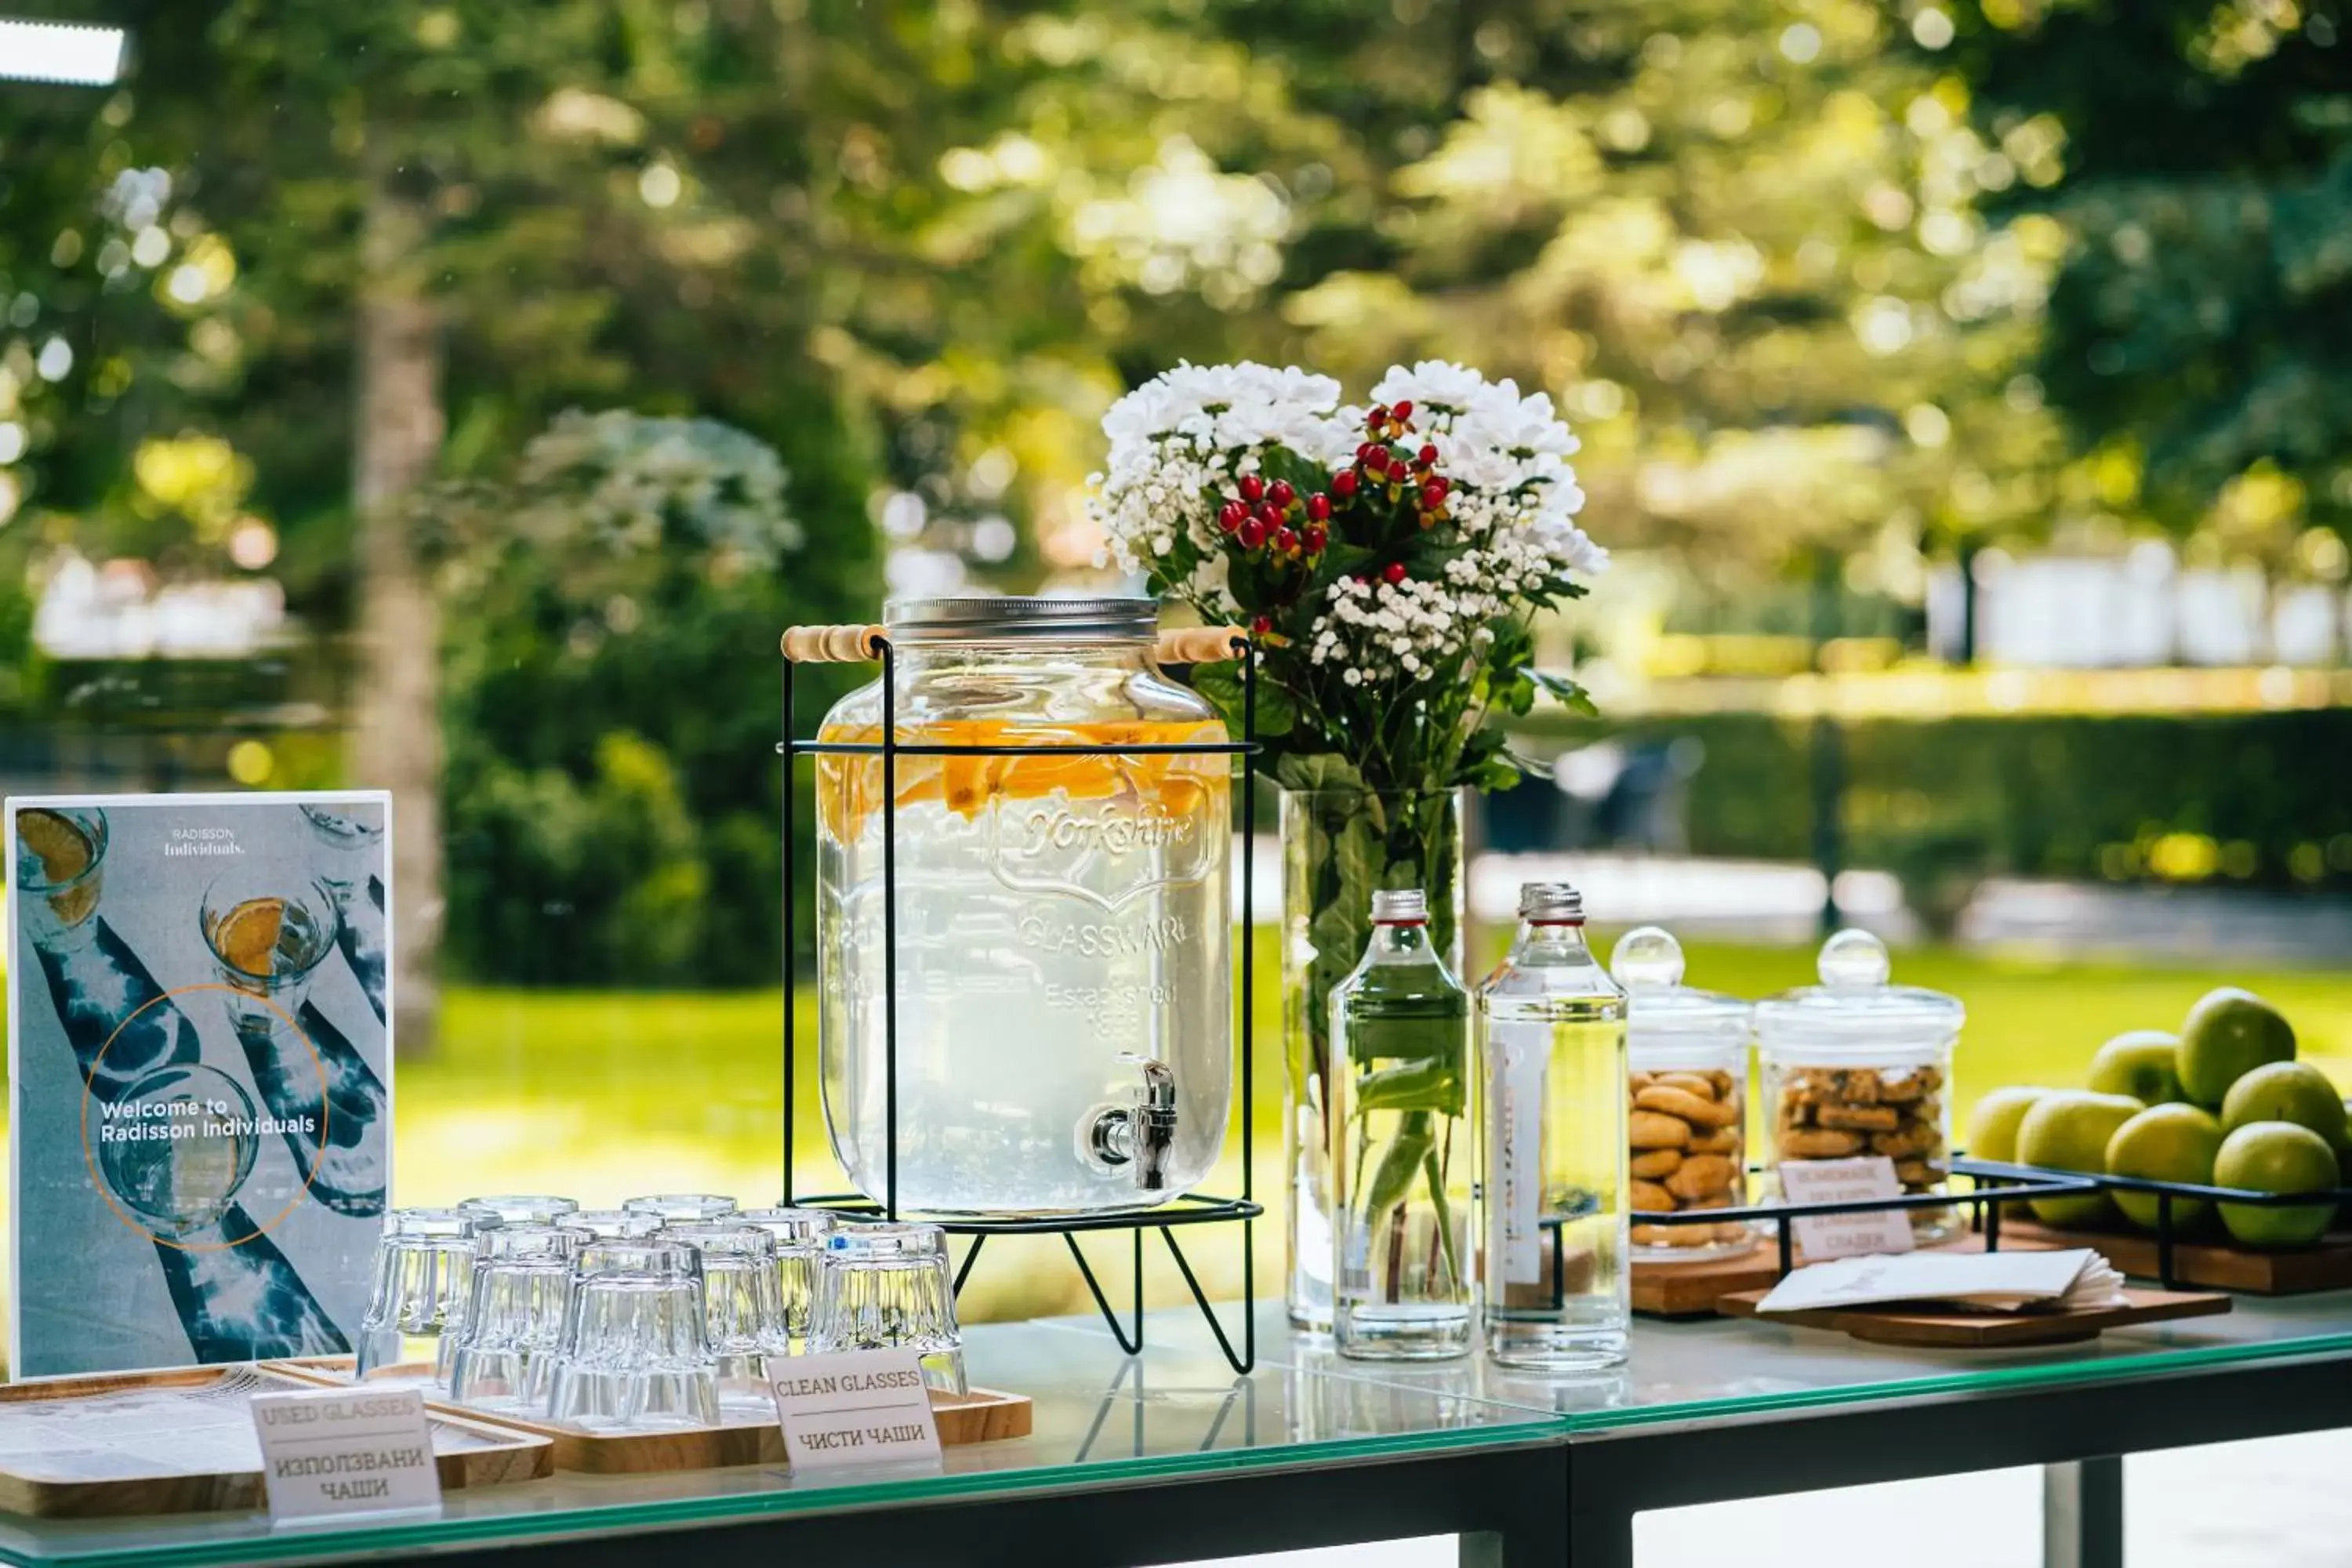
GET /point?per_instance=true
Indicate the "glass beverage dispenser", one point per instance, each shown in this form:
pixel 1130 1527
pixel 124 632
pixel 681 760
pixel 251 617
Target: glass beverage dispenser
pixel 1064 1008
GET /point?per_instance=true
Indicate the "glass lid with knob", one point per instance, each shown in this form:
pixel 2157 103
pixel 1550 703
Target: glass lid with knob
pixel 1662 1013
pixel 1857 1009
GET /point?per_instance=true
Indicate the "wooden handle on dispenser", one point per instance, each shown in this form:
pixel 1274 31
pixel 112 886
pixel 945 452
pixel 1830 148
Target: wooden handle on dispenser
pixel 1198 645
pixel 832 645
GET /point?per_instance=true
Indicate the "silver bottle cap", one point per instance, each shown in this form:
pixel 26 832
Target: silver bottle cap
pixel 1400 904
pixel 1550 902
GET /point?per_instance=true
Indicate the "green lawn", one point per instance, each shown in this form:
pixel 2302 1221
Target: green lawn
pixel 606 1094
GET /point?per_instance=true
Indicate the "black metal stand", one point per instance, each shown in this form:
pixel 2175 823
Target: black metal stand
pixel 2168 1230
pixel 1188 1210
pixel 1984 1202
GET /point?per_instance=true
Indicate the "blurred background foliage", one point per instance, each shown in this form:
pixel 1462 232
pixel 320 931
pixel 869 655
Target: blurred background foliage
pixel 1836 292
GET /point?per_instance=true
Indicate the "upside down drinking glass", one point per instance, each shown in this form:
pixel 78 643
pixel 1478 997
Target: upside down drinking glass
pixel 609 1224
pixel 682 1209
pixel 890 1284
pixel 635 1352
pixel 424 1272
pixel 521 1208
pixel 514 1317
pixel 743 1314
pixel 800 1258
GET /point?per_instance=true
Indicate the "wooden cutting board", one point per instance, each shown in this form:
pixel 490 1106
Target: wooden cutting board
pixel 1687 1289
pixel 980 1416
pixel 149 1478
pixel 983 1415
pixel 1983 1330
pixel 2216 1264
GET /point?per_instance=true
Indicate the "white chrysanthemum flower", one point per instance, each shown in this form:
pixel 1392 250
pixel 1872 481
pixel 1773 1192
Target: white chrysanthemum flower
pixel 1432 380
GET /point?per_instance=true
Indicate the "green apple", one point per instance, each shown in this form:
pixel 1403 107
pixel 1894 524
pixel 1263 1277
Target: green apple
pixel 2286 1092
pixel 1992 1125
pixel 2276 1157
pixel 2228 1034
pixel 2069 1130
pixel 2166 1144
pixel 2143 1063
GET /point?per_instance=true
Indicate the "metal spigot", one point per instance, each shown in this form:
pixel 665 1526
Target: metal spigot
pixel 1141 1133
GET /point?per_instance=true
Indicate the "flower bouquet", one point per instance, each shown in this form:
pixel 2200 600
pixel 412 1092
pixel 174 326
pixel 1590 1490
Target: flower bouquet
pixel 1391 560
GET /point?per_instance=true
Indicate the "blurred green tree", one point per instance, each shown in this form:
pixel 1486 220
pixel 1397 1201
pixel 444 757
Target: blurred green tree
pixel 2199 156
pixel 1736 238
pixel 312 255
pixel 602 828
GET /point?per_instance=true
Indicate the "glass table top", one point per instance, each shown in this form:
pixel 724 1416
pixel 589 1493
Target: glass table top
pixel 1724 1368
pixel 1177 1411
pixel 1099 1419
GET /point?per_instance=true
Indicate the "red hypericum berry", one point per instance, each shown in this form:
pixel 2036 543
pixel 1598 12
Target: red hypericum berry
pixel 1231 515
pixel 1253 488
pixel 1402 412
pixel 1253 534
pixel 1393 572
pixel 1284 541
pixel 1441 484
pixel 1317 537
pixel 1367 449
pixel 1376 461
pixel 1319 507
pixel 1343 483
pixel 1428 454
pixel 1433 494
pixel 1376 418
pixel 1262 624
pixel 1266 512
pixel 1280 493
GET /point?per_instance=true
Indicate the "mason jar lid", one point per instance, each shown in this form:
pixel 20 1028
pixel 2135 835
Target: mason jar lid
pixel 1659 1008
pixel 994 617
pixel 1855 1010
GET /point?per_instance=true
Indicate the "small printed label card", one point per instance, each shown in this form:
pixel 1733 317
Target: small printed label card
pixel 345 1452
pixel 1821 1237
pixel 857 1407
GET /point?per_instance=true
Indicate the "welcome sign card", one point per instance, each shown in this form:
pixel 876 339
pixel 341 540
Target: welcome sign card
pixel 200 1070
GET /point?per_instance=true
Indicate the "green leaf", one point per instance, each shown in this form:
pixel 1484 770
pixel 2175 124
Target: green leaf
pixel 1277 711
pixel 1567 692
pixel 1222 686
pixel 1494 774
pixel 1416 1137
pixel 1323 771
pixel 1432 1083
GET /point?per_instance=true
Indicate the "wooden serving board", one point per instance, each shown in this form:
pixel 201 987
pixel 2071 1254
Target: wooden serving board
pixel 983 1415
pixel 1982 1331
pixel 2326 1265
pixel 468 1452
pixel 1689 1290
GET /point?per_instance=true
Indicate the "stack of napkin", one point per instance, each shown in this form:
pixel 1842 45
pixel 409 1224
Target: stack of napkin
pixel 2072 1280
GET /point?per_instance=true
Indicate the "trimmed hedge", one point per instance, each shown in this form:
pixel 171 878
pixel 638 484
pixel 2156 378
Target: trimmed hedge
pixel 2070 798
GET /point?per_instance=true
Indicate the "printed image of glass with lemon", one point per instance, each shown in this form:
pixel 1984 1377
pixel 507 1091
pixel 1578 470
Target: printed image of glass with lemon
pixel 269 933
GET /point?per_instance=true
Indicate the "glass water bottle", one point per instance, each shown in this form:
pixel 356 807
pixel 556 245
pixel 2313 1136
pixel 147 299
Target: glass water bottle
pixel 1552 1036
pixel 1402 1156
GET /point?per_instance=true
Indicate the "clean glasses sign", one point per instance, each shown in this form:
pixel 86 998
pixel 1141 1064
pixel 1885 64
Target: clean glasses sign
pixel 857 1407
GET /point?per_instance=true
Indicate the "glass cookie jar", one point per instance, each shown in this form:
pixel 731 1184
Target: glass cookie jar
pixel 1062 921
pixel 1856 1067
pixel 1686 1053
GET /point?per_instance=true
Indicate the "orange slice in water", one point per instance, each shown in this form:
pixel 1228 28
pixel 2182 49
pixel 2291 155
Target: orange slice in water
pixel 247 937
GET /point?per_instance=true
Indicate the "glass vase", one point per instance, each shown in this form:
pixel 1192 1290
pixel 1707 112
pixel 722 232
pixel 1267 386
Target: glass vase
pixel 1339 845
